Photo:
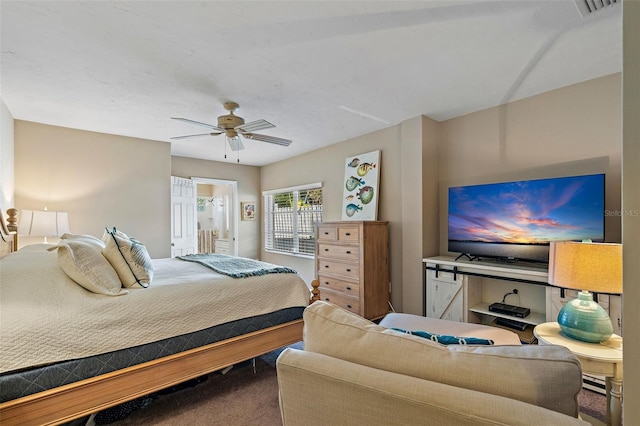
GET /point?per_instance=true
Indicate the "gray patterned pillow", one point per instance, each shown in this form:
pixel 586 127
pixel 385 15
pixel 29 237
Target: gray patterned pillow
pixel 129 258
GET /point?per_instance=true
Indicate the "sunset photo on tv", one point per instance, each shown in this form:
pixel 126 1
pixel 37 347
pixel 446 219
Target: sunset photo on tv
pixel 532 212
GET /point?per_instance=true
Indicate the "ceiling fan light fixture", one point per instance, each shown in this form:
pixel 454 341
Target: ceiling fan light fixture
pixel 235 143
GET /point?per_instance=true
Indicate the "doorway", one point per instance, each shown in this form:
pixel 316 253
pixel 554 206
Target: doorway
pixel 217 217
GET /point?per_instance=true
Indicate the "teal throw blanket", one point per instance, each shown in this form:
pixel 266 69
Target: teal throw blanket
pixel 236 267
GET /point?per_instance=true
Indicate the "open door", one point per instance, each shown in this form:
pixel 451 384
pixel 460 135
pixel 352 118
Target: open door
pixel 184 239
pixel 217 215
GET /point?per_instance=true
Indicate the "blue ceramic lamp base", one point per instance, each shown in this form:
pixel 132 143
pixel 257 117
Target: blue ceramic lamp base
pixel 583 319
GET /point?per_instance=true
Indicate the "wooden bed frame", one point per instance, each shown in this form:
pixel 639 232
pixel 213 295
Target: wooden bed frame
pixel 75 400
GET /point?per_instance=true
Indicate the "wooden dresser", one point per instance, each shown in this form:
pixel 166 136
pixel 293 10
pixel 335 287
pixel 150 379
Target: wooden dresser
pixel 352 266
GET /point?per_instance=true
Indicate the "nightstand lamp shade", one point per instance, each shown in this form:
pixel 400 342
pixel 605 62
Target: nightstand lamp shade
pixel 595 267
pixel 34 223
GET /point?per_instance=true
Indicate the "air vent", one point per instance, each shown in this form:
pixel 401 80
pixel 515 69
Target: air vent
pixel 587 7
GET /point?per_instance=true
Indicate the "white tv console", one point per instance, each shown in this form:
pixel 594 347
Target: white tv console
pixel 462 290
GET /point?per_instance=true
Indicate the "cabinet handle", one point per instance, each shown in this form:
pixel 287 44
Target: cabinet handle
pixel 348 270
pixel 326 266
pixel 347 234
pixel 326 249
pixel 348 288
pixel 326 233
pixel 348 252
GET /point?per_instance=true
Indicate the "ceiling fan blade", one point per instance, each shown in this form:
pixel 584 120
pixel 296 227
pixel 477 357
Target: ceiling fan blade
pixel 253 126
pixel 186 120
pixel 195 136
pixel 266 138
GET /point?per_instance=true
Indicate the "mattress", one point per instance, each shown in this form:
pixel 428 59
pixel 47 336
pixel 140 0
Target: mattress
pixel 26 382
pixel 47 318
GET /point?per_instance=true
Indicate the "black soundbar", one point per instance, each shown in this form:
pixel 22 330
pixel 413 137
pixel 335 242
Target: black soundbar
pixel 514 311
pixel 511 323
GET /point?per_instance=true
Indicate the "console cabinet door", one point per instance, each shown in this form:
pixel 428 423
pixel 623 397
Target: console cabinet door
pixel 445 297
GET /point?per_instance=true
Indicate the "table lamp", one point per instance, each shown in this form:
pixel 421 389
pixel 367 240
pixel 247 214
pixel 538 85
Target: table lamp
pixel 35 223
pixel 595 267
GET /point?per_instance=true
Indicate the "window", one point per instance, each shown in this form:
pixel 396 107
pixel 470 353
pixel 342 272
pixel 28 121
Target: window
pixel 289 218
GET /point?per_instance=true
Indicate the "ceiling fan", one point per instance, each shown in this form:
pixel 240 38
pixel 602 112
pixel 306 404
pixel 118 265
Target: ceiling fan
pixel 233 126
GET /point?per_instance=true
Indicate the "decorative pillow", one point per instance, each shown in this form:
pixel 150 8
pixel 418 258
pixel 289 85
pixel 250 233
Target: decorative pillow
pixel 85 264
pixel 90 239
pixel 129 258
pixel 445 339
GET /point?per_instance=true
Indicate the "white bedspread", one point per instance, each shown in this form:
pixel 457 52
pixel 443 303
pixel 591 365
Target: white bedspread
pixel 46 317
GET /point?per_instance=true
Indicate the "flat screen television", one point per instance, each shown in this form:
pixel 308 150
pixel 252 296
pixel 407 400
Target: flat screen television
pixel 517 220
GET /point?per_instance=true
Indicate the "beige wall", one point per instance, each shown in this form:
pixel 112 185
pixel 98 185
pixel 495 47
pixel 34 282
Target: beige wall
pixel 6 158
pixel 248 178
pixel 631 203
pixel 100 180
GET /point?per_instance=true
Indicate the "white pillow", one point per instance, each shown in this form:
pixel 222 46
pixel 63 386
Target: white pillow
pixel 129 258
pixel 97 242
pixel 85 264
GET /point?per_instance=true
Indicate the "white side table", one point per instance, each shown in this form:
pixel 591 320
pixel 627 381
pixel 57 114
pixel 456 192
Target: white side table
pixel 602 359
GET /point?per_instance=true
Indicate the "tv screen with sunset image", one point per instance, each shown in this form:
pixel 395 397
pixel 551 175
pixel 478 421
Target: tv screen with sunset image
pixel 518 220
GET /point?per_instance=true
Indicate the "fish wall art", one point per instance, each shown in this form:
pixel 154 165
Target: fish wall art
pixel 360 199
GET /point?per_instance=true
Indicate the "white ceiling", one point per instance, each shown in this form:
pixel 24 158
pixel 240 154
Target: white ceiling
pixel 321 71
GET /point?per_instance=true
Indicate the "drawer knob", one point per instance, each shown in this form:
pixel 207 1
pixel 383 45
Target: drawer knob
pixel 348 270
pixel 349 306
pixel 326 233
pixel 326 266
pixel 347 233
pixel 326 298
pixel 326 249
pixel 348 288
pixel 326 283
pixel 348 252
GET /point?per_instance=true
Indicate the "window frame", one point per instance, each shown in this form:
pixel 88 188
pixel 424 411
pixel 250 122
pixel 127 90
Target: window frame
pixel 269 231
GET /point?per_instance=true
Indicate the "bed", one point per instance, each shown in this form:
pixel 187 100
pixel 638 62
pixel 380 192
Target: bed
pixel 189 322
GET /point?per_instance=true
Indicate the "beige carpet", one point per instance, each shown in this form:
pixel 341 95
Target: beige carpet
pixel 240 397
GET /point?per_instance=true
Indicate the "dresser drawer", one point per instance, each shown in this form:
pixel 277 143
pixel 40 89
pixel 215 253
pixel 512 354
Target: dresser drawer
pixel 350 253
pixel 348 234
pixel 338 268
pixel 344 287
pixel 327 233
pixel 347 302
pixel 222 247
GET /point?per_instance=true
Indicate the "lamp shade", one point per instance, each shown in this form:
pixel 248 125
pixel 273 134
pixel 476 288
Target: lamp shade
pixel 596 267
pixel 586 267
pixel 37 223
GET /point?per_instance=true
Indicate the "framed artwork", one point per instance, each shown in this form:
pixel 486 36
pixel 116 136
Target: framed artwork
pixel 248 210
pixel 360 199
